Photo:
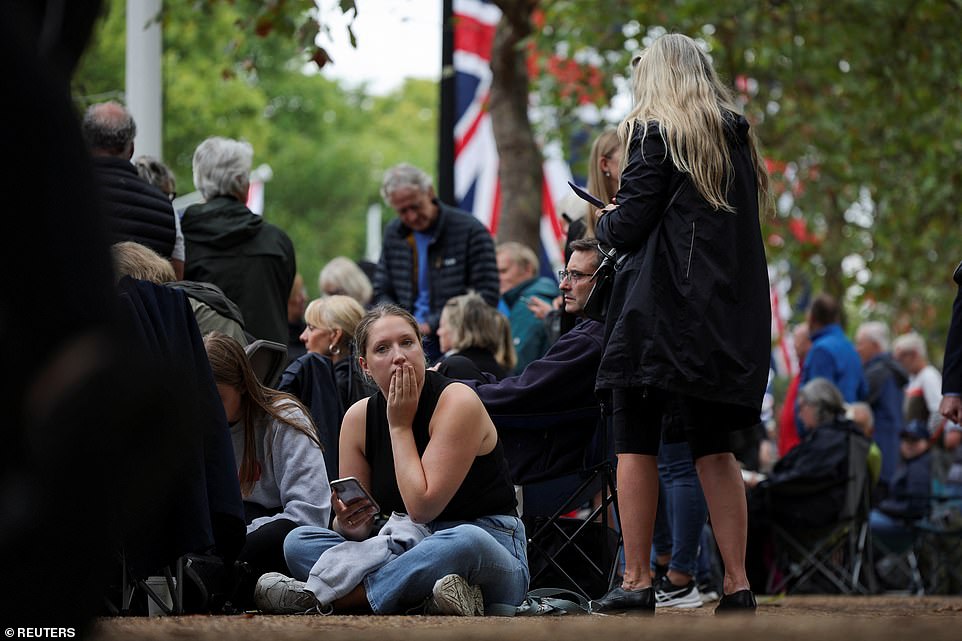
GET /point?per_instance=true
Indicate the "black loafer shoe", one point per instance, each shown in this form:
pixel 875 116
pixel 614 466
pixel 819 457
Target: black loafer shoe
pixel 741 602
pixel 619 599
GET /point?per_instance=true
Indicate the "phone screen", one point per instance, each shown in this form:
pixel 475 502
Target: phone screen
pixel 350 489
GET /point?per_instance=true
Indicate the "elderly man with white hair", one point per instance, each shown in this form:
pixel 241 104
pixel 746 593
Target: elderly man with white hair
pixel 924 391
pixel 230 246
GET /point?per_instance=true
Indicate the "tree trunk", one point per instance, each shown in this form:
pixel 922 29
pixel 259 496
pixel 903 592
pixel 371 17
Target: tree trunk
pixel 520 170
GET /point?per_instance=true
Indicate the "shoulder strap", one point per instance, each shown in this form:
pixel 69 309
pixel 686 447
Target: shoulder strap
pixel 542 602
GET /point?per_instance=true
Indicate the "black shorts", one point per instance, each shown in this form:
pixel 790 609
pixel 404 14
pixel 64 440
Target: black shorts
pixel 639 420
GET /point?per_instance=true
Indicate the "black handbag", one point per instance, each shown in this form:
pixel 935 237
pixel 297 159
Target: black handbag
pixel 596 305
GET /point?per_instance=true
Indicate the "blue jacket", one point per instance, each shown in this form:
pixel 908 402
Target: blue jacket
pixel 886 380
pixel 460 258
pixel 833 356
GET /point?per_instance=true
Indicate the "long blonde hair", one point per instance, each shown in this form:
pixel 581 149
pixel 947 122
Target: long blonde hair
pixel 675 85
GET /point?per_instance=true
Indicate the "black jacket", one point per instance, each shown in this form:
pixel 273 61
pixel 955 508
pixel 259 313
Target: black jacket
pixel 196 500
pixel 460 258
pixel 467 362
pixel 135 209
pixel 807 486
pixel 311 379
pixel 690 308
pixel 952 363
pixel 251 260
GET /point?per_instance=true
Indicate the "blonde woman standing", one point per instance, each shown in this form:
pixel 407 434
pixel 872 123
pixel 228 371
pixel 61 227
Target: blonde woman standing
pixel 689 321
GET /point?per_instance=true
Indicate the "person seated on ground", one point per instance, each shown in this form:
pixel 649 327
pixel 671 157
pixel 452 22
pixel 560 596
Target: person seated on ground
pixel 428 452
pixel 341 275
pixel 213 311
pixel 909 490
pixel 331 325
pixel 279 463
pixel 471 330
pixel 806 487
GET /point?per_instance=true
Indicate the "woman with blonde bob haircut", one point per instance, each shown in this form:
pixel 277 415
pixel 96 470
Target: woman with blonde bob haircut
pixel 331 324
pixel 689 321
pixel 473 329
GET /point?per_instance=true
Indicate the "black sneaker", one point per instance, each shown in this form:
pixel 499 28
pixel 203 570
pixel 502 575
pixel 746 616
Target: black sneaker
pixel 661 571
pixel 669 595
pixel 619 600
pixel 741 602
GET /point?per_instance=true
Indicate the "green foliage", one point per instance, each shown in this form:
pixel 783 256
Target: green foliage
pixel 326 145
pixel 854 101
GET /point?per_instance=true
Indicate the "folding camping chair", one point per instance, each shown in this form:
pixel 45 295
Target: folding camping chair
pixel 578 553
pixel 838 554
pixel 131 584
pixel 268 359
pixel 938 543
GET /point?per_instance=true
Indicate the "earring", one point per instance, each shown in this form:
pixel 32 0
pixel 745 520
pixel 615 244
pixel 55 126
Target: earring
pixel 336 350
pixel 607 174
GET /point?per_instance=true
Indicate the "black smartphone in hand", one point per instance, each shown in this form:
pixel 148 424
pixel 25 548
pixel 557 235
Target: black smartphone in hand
pixel 349 489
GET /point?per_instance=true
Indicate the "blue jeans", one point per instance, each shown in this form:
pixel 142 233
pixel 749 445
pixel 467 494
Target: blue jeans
pixel 488 552
pixel 681 508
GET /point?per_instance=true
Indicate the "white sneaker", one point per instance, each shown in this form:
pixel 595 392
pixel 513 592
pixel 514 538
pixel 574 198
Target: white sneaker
pixel 669 595
pixel 281 594
pixel 453 595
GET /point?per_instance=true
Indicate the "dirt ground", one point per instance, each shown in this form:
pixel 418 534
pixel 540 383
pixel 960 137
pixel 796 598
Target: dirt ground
pixel 808 618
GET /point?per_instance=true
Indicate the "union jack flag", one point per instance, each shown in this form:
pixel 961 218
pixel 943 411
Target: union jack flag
pixel 476 185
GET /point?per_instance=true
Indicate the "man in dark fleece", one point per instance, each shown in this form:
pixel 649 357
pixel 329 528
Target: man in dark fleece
pixel 228 245
pixel 546 416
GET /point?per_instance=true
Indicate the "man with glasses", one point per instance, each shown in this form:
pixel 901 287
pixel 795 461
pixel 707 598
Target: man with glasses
pixel 135 209
pixel 546 414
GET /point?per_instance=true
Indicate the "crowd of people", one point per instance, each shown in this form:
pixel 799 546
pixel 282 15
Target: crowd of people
pixel 452 384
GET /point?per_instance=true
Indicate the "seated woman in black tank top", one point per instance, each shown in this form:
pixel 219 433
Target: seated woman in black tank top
pixel 426 448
